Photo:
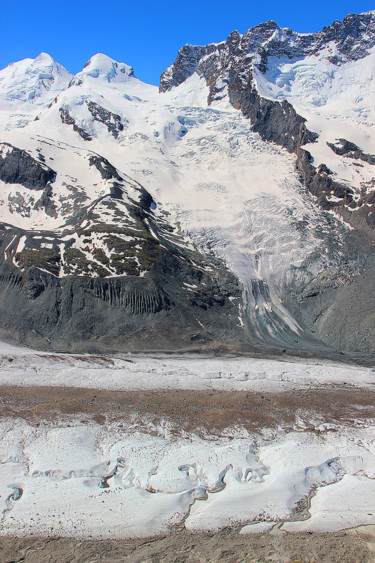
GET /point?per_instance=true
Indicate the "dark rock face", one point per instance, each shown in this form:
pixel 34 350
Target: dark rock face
pixel 320 182
pixel 111 120
pixel 18 167
pixel 338 305
pixel 214 60
pixel 346 148
pixel 46 202
pixel 107 171
pixel 93 314
pixel 187 62
pixel 232 60
pixel 69 120
pixel 359 212
pixel 354 36
pixel 274 121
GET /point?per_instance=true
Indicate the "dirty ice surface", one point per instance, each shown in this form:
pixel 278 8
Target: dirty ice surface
pixel 22 366
pixel 75 477
pixel 88 480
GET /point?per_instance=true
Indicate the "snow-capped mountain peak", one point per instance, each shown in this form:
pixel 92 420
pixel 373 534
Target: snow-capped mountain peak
pixel 351 40
pixel 35 81
pixel 104 68
pixel 44 58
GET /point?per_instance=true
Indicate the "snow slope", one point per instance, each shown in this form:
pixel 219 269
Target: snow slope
pixel 29 85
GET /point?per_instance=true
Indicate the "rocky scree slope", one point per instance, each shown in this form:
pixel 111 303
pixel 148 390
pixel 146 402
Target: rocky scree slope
pixel 244 220
pixel 109 273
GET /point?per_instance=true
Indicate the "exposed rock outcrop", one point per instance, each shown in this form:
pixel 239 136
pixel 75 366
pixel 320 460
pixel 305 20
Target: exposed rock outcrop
pixel 69 120
pixel 122 313
pixel 111 120
pixel 345 148
pixel 18 167
pixel 336 196
pixel 222 63
pixel 277 122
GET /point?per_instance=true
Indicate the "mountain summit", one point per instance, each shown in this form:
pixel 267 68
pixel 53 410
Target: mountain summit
pixel 221 64
pixel 231 209
pixel 33 80
pixel 102 67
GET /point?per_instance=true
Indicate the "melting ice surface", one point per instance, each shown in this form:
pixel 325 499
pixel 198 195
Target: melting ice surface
pixel 111 481
pixel 130 479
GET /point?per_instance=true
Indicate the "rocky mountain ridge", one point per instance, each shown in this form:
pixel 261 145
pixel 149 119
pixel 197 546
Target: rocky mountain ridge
pixel 231 60
pixel 229 69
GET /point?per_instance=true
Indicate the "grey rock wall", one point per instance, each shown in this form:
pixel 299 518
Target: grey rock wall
pixel 18 167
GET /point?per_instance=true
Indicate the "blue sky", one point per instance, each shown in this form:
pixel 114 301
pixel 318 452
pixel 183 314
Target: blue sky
pixel 148 34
